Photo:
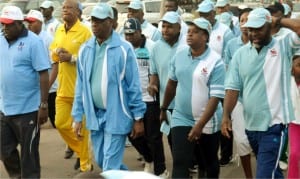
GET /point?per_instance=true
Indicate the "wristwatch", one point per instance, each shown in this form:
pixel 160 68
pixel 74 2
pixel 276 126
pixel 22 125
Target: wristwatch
pixel 44 105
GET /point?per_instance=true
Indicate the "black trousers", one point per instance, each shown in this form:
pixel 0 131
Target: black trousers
pixel 150 146
pixel 51 107
pixel 184 152
pixel 24 130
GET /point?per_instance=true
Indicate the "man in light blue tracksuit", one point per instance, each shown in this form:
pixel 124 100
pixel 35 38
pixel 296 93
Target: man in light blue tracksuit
pixel 108 91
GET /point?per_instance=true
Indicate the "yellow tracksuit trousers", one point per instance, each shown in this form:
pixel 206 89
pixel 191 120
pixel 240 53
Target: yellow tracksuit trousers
pixel 63 122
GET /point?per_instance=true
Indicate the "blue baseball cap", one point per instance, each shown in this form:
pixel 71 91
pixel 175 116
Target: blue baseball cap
pixel 171 17
pixel 225 18
pixel 222 3
pixel 80 6
pixel 258 17
pixel 205 6
pixel 136 4
pixel 287 9
pixel 131 25
pixel 102 11
pixel 202 24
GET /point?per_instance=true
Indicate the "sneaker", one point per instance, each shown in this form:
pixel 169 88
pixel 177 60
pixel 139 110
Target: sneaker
pixel 223 162
pixel 68 153
pixel 89 170
pixel 148 167
pixel 77 164
pixel 193 169
pixel 283 165
pixel 165 174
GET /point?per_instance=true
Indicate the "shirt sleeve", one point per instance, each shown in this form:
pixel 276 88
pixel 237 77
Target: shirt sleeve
pixel 216 80
pixel 39 55
pixel 77 109
pixel 233 79
pixel 153 64
pixel 172 69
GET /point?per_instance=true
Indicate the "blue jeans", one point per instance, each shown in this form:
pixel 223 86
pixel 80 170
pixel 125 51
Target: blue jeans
pixel 267 146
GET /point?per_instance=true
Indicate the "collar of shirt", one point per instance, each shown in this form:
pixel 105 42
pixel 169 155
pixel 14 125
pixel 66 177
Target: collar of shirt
pixel 106 42
pixel 202 56
pixel 74 28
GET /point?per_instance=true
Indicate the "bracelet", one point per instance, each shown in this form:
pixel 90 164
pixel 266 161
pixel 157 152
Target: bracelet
pixel 163 108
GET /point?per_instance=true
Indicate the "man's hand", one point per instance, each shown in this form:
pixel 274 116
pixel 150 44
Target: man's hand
pixel 77 129
pixel 42 116
pixel 64 55
pixel 152 90
pixel 226 126
pixel 195 133
pixel 163 116
pixel 138 129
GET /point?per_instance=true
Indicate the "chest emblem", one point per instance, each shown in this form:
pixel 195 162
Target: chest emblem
pixel 204 71
pixel 20 46
pixel 273 52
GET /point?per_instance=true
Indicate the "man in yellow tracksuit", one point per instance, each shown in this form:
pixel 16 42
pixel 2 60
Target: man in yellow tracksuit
pixel 67 40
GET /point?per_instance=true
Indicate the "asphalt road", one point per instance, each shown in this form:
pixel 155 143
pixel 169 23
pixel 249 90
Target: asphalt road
pixel 55 166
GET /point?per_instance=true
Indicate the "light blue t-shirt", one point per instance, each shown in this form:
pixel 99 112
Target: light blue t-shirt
pixel 264 80
pixel 232 46
pixel 96 78
pixel 20 63
pixel 161 56
pixel 198 79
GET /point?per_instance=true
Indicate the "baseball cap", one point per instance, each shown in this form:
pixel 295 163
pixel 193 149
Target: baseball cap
pixel 11 13
pixel 46 4
pixel 171 17
pixel 225 18
pixel 80 6
pixel 205 6
pixel 258 17
pixel 131 25
pixel 222 3
pixel 287 9
pixel 202 24
pixel 34 15
pixel 135 4
pixel 102 11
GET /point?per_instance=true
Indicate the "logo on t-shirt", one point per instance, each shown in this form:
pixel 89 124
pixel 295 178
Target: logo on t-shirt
pixel 273 52
pixel 20 46
pixel 204 71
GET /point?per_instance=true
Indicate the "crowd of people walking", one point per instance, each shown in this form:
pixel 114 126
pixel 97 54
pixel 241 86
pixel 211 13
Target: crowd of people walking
pixel 204 83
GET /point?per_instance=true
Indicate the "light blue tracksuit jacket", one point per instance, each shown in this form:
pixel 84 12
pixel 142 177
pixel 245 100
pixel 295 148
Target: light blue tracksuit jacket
pixel 121 83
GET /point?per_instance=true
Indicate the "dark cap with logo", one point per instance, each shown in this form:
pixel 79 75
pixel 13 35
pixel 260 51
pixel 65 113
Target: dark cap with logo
pixel 131 25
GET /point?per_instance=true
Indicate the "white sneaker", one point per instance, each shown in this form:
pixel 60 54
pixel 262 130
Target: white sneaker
pixel 283 165
pixel 165 174
pixel 148 167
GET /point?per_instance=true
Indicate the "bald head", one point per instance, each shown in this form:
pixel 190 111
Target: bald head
pixel 70 11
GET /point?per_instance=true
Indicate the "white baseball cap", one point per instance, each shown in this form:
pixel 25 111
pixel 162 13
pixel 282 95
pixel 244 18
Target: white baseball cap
pixel 222 3
pixel 257 18
pixel 11 13
pixel 171 17
pixel 135 4
pixel 46 4
pixel 102 11
pixel 202 24
pixel 34 15
pixel 205 6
